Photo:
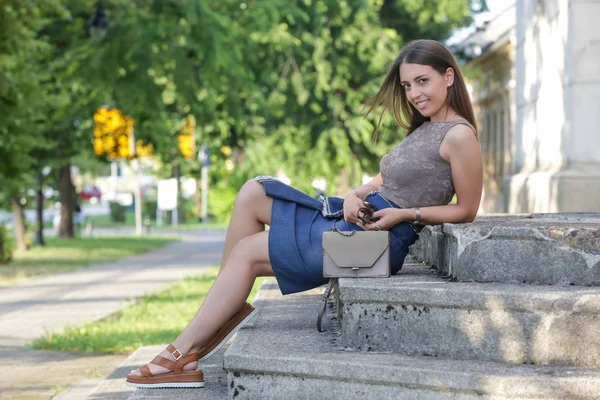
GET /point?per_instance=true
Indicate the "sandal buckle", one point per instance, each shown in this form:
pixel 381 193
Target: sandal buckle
pixel 178 356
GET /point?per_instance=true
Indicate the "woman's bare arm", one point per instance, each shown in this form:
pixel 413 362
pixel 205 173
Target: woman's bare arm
pixel 461 149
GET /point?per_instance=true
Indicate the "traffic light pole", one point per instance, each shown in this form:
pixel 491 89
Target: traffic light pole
pixel 204 195
pixel 204 157
pixel 138 198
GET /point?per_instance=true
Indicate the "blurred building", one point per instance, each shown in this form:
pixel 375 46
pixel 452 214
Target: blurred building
pixel 536 90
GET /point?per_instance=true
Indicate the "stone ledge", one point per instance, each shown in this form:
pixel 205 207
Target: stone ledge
pixel 283 356
pixel 563 250
pixel 417 313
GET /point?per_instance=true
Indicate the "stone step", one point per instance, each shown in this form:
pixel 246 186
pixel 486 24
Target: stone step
pixel 115 388
pixel 536 249
pixel 282 356
pixel 418 313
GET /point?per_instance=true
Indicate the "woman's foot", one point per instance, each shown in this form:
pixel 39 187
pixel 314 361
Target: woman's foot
pixel 156 369
pixel 166 363
pixel 169 369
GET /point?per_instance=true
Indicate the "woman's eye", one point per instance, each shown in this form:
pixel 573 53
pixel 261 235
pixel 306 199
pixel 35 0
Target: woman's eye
pixel 422 80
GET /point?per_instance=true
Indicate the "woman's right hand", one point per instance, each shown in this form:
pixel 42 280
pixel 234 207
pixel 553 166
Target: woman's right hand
pixel 351 205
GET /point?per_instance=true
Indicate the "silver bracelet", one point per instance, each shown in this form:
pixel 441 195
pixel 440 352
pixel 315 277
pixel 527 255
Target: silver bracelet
pixel 418 218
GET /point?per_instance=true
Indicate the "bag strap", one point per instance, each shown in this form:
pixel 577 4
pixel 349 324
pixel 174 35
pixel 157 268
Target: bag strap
pixel 345 234
pixel 322 312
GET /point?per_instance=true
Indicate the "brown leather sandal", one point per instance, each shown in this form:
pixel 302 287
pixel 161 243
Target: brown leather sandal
pixel 177 378
pixel 225 333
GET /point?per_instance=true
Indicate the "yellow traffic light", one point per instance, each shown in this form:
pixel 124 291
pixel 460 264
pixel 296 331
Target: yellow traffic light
pixel 142 150
pixel 113 134
pixel 186 146
pixel 226 150
pixel 98 146
pixel 187 138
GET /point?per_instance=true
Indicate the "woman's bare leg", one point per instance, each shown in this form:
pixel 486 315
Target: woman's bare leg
pixel 248 260
pixel 252 210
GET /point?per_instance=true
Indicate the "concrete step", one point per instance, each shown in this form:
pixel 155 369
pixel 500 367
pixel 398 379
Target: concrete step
pixel 282 356
pixel 537 249
pixel 418 313
pixel 115 388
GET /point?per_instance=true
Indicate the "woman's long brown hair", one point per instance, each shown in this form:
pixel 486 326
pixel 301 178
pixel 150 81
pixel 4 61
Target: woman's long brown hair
pixel 392 95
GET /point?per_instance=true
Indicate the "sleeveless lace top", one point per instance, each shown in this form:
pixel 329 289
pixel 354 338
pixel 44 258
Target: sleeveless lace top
pixel 414 174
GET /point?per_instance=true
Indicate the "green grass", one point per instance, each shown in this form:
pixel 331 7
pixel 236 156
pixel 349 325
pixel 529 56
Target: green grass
pixel 104 221
pixel 199 226
pixel 153 319
pixel 63 255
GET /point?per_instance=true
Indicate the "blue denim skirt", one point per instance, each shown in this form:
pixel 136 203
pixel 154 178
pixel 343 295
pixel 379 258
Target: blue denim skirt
pixel 295 236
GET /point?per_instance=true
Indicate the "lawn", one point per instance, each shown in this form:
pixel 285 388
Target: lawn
pixel 153 319
pixel 63 255
pixel 104 221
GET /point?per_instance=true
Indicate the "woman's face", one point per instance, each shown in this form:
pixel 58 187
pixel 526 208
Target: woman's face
pixel 426 89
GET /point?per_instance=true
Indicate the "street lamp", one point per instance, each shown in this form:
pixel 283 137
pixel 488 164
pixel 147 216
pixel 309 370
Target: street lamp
pixel 98 23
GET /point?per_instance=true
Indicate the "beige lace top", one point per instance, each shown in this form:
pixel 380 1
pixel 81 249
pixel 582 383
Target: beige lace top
pixel 414 174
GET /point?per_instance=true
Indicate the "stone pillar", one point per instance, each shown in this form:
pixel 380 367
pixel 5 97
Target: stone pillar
pixel 556 163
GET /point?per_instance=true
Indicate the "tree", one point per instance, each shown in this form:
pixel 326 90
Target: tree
pixel 75 96
pixel 282 84
pixel 22 53
pixel 290 76
pixel 323 60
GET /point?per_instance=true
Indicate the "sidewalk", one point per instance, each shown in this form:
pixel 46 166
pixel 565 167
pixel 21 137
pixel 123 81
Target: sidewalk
pixel 34 307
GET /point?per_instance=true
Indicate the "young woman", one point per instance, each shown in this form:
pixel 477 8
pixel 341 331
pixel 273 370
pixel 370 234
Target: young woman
pixel 439 157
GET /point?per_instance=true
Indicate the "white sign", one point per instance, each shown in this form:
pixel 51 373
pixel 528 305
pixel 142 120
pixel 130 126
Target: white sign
pixel 167 194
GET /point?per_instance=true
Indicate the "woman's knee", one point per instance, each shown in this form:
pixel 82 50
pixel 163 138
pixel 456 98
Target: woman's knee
pixel 250 191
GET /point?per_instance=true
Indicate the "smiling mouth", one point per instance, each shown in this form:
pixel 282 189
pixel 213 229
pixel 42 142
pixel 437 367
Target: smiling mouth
pixel 421 104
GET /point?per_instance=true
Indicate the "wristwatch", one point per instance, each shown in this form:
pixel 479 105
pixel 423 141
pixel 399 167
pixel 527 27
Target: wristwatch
pixel 418 218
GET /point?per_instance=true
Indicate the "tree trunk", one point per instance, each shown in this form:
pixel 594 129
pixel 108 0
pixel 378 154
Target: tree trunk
pixel 39 237
pixel 65 186
pixel 20 228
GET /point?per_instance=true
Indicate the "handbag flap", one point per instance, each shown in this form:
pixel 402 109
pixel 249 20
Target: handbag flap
pixel 360 250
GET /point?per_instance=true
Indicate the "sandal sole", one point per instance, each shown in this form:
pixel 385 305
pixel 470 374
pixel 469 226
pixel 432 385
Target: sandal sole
pixel 166 385
pixel 187 379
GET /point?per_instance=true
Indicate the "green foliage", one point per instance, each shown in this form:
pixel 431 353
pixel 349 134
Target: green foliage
pixel 42 96
pixel 190 210
pixel 428 19
pixel 7 245
pixel 149 207
pixel 220 201
pixel 284 84
pixel 21 75
pixel 117 211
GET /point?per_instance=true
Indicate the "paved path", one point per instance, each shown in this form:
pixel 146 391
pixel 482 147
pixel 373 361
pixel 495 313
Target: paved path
pixel 48 304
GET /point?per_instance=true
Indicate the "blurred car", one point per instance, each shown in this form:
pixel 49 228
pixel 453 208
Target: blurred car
pixel 90 193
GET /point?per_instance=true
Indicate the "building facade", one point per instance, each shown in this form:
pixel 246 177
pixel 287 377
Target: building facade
pixel 536 90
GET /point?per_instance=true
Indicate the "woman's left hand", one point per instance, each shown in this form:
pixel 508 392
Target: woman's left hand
pixel 387 218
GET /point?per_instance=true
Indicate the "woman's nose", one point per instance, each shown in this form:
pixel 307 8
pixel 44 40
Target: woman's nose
pixel 414 95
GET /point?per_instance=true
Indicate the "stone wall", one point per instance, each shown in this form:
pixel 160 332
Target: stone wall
pixel 556 142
